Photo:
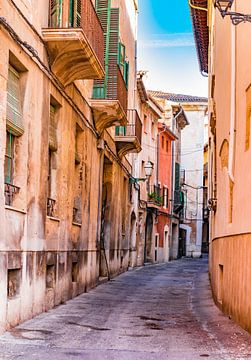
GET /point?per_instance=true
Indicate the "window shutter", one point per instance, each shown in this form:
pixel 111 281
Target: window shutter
pixel 103 8
pixel 126 73
pixel 113 54
pixel 55 20
pixel 177 176
pixel 14 119
pixel 77 9
pixel 109 18
pixel 53 145
pixel 121 58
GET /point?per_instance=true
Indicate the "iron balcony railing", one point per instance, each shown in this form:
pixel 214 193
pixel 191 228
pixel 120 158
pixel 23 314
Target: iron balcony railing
pixel 82 14
pixel 155 195
pixel 10 191
pixel 114 88
pixel 51 204
pixel 179 201
pixel 134 127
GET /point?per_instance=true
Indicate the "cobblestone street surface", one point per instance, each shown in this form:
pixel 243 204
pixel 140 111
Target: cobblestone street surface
pixel 155 312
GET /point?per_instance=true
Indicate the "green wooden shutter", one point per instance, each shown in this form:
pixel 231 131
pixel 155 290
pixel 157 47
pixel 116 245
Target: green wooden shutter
pixel 112 78
pixel 177 176
pixel 55 19
pixel 75 13
pixel 126 73
pixel 103 8
pixel 53 129
pixel 14 121
pixel 121 58
pixel 109 18
pixel 8 164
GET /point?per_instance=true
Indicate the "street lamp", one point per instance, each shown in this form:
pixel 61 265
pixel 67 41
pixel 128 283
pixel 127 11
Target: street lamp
pixel 148 167
pixel 225 5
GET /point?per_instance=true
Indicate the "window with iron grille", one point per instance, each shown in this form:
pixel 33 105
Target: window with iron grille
pixel 75 13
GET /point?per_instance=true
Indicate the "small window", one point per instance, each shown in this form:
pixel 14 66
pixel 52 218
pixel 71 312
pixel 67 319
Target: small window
pixel 165 197
pixel 14 280
pixel 50 276
pixel 163 142
pixel 145 124
pixel 74 271
pixel 166 145
pixel 14 110
pixel 153 131
pixel 9 158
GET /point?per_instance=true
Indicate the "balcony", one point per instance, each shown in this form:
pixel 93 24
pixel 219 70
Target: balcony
pixel 154 196
pixel 75 47
pixel 179 201
pixel 128 138
pixel 109 102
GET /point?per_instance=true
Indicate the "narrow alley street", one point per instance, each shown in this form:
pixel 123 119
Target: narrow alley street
pixel 153 312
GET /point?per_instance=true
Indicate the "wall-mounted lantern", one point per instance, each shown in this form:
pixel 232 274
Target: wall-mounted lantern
pixel 148 167
pixel 224 7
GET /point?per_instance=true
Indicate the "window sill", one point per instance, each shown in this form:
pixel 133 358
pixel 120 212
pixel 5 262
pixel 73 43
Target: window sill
pixel 76 224
pixel 53 218
pixel 8 207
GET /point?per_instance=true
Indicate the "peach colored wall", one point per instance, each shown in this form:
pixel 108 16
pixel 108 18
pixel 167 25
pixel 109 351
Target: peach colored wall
pixel 231 241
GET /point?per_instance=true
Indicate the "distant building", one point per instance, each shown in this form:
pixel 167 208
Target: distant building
pixel 188 187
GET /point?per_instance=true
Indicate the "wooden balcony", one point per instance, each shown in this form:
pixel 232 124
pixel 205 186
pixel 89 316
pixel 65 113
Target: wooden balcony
pixel 128 138
pixel 109 102
pixel 75 47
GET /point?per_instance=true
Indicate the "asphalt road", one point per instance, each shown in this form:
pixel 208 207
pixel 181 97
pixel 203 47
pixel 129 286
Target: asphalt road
pixel 154 312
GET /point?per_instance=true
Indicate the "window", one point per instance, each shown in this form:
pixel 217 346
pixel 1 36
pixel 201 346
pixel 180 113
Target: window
pixel 166 145
pixel 14 110
pixel 52 162
pixel 55 18
pixel 9 158
pixel 145 124
pixel 153 130
pixel 163 142
pixel 165 197
pixel 75 12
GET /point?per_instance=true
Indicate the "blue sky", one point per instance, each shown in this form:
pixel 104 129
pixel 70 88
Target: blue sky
pixel 166 48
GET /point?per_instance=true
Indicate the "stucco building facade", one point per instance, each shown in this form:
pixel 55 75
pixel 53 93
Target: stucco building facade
pixel 222 48
pixel 64 167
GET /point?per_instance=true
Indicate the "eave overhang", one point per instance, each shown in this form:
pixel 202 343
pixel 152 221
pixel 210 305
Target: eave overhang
pixel 201 33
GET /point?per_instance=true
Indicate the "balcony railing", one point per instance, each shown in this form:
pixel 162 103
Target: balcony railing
pixel 112 89
pixel 51 204
pixel 9 192
pixel 86 19
pixel 134 127
pixel 178 201
pixel 155 195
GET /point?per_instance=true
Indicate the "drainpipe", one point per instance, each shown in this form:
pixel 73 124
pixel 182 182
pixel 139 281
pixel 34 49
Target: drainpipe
pixel 233 104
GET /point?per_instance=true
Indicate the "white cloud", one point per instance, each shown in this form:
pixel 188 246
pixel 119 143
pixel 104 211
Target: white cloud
pixel 168 40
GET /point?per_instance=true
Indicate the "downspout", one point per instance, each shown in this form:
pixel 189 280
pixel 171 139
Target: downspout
pixel 233 104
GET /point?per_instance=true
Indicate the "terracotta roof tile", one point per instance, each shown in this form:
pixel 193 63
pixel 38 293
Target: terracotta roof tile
pixel 177 97
pixel 201 33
